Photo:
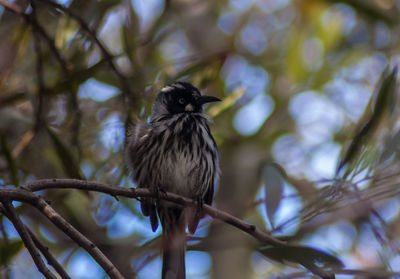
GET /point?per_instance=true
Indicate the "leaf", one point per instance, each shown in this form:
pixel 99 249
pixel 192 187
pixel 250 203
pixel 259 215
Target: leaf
pixel 306 256
pixel 391 147
pixel 273 178
pixel 385 97
pixel 66 157
pixel 368 155
pixel 10 160
pixel 9 250
pixel 129 31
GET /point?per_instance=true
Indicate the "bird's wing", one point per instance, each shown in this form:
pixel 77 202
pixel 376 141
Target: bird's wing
pixel 195 214
pixel 138 132
pixel 210 191
pixel 136 136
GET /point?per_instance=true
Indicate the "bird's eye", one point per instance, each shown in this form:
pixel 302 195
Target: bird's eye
pixel 182 101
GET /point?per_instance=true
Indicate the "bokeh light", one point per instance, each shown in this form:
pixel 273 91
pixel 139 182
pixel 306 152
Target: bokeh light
pixel 97 91
pixel 83 267
pixel 148 11
pixel 249 119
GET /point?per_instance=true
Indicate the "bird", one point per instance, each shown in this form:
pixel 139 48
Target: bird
pixel 174 152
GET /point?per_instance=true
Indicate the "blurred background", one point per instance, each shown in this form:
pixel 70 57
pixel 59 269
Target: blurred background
pixel 300 80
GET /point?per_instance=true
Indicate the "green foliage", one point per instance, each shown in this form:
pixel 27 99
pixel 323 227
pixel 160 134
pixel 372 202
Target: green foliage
pixel 305 71
pixel 9 250
pixel 385 100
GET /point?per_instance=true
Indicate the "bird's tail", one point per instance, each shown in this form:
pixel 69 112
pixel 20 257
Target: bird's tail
pixel 174 247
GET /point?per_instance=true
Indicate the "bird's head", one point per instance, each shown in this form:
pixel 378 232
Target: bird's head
pixel 180 97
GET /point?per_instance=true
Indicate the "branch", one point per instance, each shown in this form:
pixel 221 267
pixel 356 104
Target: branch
pixel 49 257
pixel 46 184
pixel 26 238
pixel 40 81
pixel 43 249
pixel 92 36
pixel 31 19
pixel 27 196
pixel 6 241
pixel 11 7
pixel 64 226
pixel 79 238
pixel 252 230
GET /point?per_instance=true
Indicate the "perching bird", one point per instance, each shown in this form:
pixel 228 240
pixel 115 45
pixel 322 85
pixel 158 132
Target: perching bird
pixel 175 153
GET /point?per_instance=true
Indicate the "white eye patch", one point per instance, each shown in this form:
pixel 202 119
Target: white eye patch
pixel 178 85
pixel 167 88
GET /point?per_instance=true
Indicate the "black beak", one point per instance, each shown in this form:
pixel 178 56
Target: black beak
pixel 208 99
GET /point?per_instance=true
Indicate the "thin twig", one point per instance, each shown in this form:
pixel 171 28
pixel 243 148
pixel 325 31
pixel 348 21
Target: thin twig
pixel 79 238
pixel 43 249
pixel 66 67
pixel 6 241
pixel 64 226
pixel 47 184
pixel 12 7
pixel 91 33
pixel 32 20
pixel 49 257
pixel 26 238
pixel 55 218
pixel 40 78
